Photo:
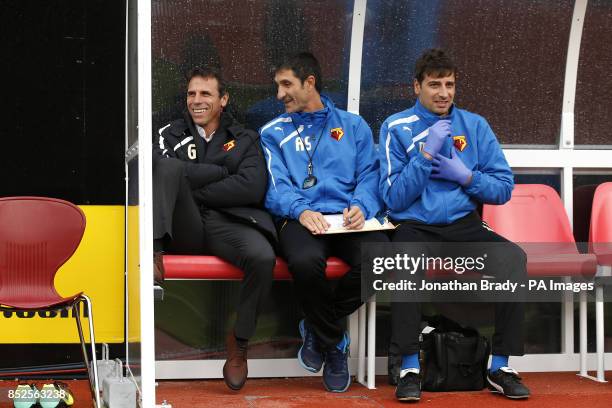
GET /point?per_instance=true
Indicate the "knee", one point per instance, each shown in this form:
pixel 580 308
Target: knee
pixel 261 261
pixel 306 266
pixel 168 168
pixel 377 237
pixel 518 255
pixel 521 262
pixel 516 258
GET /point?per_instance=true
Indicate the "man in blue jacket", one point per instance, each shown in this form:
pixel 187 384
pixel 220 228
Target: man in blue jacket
pixel 437 163
pixel 321 160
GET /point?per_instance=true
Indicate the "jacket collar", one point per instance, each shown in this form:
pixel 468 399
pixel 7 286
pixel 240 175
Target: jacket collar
pixel 227 124
pixel 429 117
pixel 315 118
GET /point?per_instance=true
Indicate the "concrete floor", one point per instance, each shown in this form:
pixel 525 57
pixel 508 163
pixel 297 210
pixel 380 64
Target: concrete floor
pixel 553 390
pixel 558 390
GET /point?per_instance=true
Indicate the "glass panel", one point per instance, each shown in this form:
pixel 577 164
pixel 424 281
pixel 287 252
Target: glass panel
pixel 591 341
pixel 193 319
pixel 584 189
pixel 551 178
pixel 542 323
pixel 245 39
pixel 593 114
pixel 510 54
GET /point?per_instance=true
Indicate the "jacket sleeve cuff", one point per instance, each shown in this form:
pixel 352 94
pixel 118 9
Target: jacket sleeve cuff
pixel 422 161
pixel 474 187
pixel 297 210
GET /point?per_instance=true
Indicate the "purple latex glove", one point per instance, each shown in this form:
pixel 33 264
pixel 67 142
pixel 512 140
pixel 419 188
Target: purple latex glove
pixel 438 133
pixel 451 169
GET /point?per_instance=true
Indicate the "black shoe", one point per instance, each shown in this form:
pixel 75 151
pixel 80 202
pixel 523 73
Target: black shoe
pixel 507 382
pixel 409 387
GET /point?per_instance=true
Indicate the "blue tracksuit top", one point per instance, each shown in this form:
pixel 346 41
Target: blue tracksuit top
pixel 344 163
pixel 405 186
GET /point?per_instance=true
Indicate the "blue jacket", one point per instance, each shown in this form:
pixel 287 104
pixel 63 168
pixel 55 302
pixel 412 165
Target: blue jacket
pixel 344 163
pixel 406 188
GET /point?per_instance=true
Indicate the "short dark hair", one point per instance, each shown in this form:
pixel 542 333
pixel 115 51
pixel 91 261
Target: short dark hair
pixel 434 62
pixel 208 72
pixel 303 65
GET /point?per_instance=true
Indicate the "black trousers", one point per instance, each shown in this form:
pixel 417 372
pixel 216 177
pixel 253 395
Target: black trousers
pixel 504 262
pixel 306 255
pixel 184 230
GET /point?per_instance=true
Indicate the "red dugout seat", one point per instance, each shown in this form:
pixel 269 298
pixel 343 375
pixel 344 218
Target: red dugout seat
pixel 214 268
pixel 536 220
pixel 600 235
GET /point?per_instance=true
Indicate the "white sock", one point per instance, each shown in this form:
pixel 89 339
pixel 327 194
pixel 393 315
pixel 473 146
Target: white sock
pixel 409 370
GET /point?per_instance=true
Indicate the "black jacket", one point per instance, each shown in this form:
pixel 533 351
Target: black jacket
pixel 227 174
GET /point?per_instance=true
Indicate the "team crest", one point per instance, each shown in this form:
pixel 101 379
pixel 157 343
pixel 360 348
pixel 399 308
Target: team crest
pixel 460 142
pixel 229 145
pixel 337 133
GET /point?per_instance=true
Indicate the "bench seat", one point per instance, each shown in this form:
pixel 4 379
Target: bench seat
pixel 204 267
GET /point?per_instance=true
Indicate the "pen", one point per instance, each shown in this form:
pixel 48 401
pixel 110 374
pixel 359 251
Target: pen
pixel 348 218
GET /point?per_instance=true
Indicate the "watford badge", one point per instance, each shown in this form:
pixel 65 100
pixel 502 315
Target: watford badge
pixel 460 142
pixel 229 145
pixel 337 133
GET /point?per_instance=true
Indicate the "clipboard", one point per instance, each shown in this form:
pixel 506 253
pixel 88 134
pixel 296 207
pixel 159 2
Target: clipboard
pixel 373 224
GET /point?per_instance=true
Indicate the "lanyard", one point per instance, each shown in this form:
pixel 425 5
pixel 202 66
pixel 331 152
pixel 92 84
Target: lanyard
pixel 311 180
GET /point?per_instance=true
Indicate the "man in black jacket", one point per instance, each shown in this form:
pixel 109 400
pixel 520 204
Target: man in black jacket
pixel 209 180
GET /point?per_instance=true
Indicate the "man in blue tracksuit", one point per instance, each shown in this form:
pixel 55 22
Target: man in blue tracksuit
pixel 437 163
pixel 321 160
